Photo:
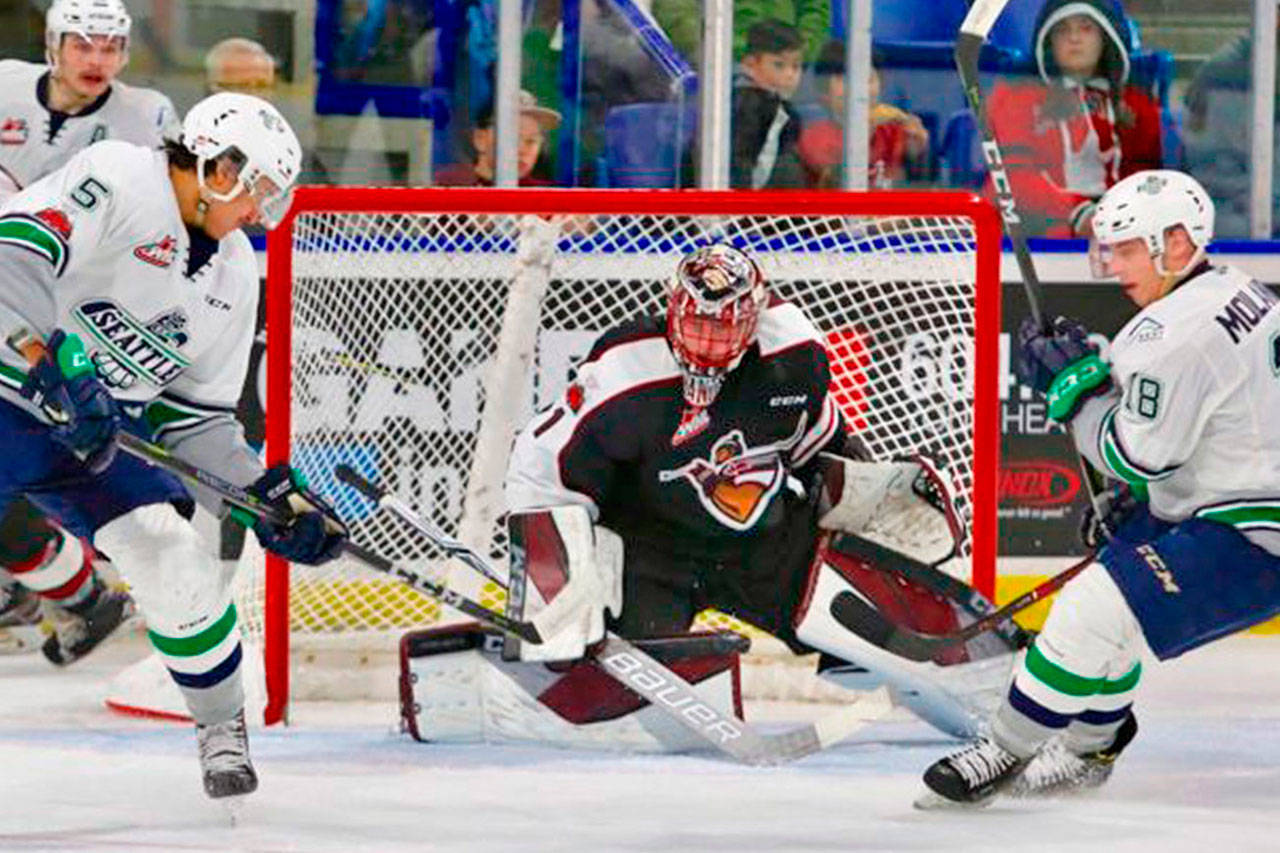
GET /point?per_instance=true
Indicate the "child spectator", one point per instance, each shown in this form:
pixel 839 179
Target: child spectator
pixel 535 121
pixel 1069 138
pixel 766 126
pixel 898 141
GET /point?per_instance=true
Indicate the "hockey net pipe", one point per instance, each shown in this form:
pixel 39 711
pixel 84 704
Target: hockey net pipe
pixel 412 333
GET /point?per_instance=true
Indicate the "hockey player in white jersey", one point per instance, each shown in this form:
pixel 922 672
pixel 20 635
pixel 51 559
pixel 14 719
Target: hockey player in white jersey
pixel 131 292
pixel 1184 415
pixel 48 113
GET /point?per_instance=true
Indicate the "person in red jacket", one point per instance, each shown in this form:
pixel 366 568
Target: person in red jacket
pixel 1078 131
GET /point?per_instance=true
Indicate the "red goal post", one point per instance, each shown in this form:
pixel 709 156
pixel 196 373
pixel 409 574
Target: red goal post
pixel 410 331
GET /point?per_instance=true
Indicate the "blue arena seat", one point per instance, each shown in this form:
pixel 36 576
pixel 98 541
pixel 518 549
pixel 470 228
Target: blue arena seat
pixel 961 154
pixel 645 143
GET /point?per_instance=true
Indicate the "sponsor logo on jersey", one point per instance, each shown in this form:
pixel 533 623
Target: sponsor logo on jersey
pixel 736 483
pixel 159 254
pixel 787 400
pixel 126 349
pixel 58 221
pixel 1245 310
pixel 14 131
pixel 1150 329
pixel 1038 483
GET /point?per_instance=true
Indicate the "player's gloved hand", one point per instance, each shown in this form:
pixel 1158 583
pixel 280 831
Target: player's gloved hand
pixel 85 417
pixel 1062 364
pixel 314 534
pixel 1098 525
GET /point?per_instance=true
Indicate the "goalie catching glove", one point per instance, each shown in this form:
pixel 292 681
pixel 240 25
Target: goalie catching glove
pixel 905 506
pixel 565 572
pixel 314 534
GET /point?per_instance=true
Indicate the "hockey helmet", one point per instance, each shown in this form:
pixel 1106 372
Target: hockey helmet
pixel 84 18
pixel 717 294
pixel 252 135
pixel 1145 206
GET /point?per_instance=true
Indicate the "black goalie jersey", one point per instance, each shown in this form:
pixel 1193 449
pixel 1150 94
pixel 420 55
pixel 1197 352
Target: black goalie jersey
pixel 708 484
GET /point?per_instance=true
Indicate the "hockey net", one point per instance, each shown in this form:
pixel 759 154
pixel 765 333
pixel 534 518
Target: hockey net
pixel 411 333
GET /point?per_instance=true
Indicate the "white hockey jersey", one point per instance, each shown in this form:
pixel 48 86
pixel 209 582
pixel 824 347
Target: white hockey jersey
pixel 99 248
pixel 35 140
pixel 1195 416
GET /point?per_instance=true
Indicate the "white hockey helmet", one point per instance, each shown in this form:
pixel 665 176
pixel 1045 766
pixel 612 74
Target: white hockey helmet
pixel 1145 206
pixel 255 138
pixel 84 18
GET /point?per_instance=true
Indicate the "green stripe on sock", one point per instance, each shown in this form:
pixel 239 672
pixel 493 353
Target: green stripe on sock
pixel 185 647
pixel 1059 679
pixel 1124 683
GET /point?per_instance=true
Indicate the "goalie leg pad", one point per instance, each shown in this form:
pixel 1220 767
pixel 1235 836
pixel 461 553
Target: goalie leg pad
pixel 185 596
pixel 955 698
pixel 455 687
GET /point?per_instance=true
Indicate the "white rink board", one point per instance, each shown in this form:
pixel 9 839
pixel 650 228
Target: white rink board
pixel 1204 773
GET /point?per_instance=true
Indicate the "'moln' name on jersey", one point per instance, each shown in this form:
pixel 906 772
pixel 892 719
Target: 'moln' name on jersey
pixel 36 140
pixel 1195 419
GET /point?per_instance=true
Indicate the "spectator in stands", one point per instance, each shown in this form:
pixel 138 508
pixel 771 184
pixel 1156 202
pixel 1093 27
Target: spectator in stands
pixel 766 127
pixel 898 141
pixel 535 121
pixel 682 21
pixel 1217 142
pixel 239 65
pixel 1069 137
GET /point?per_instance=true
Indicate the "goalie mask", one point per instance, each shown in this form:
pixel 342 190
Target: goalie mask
pixel 716 298
pixel 254 138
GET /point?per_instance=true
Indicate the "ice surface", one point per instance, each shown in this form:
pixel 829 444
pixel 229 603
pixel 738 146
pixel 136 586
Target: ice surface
pixel 1204 774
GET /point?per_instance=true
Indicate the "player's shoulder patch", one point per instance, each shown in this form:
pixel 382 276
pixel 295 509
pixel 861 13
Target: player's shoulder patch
pixel 45 233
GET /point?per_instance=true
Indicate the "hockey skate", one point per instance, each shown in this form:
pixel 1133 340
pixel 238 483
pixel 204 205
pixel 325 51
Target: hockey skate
pixel 77 634
pixel 19 619
pixel 1057 771
pixel 971 777
pixel 224 758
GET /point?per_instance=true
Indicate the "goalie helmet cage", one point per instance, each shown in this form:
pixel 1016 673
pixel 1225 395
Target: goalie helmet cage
pixel 412 332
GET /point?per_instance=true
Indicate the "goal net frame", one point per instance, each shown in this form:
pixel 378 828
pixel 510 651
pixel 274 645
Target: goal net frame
pixel 986 232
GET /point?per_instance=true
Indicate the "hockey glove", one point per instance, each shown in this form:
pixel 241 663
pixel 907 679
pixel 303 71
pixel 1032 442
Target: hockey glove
pixel 1114 507
pixel 1062 365
pixel 64 384
pixel 314 534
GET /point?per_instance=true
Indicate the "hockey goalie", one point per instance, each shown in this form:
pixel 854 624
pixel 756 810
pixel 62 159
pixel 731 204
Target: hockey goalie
pixel 696 462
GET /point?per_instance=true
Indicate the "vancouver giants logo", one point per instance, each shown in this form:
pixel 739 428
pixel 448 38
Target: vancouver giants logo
pixel 125 349
pixel 737 483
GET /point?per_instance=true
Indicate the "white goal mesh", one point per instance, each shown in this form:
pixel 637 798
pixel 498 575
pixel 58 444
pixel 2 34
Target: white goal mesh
pixel 428 326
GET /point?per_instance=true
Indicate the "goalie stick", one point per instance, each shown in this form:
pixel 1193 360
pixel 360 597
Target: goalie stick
pixel 663 688
pixel 977 23
pixel 860 617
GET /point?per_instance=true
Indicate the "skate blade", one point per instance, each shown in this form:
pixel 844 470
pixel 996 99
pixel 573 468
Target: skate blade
pixel 233 809
pixel 929 801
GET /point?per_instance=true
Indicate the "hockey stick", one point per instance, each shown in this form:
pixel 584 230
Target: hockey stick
pixel 663 688
pixel 247 507
pixel 977 23
pixel 863 619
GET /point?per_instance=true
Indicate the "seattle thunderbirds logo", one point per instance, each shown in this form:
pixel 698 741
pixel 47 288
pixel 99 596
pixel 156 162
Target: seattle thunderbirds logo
pixel 737 483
